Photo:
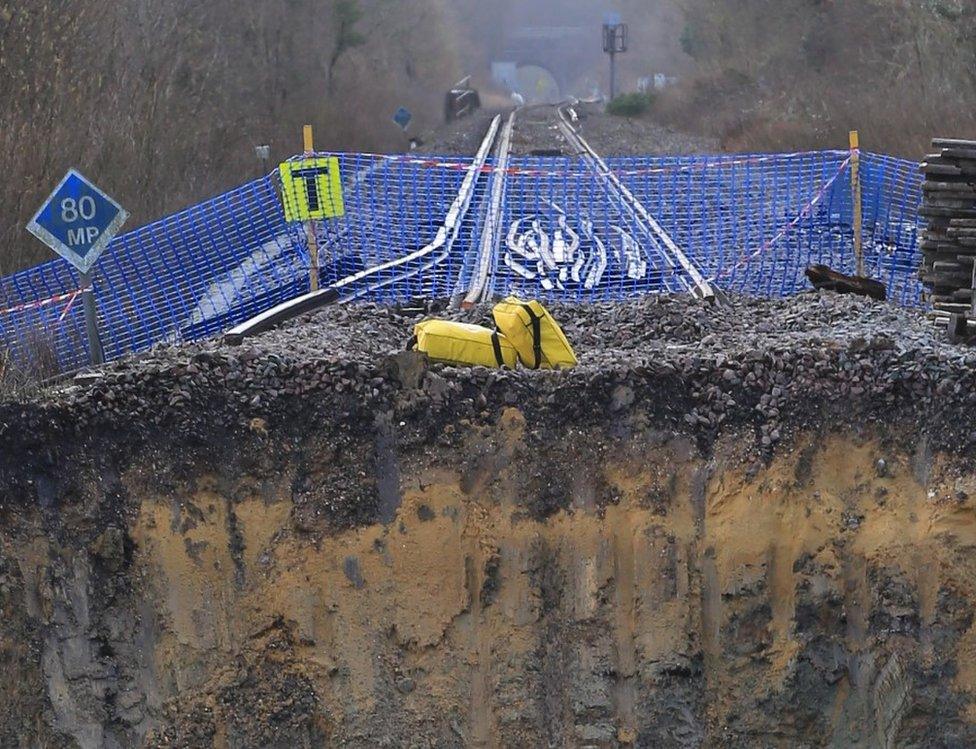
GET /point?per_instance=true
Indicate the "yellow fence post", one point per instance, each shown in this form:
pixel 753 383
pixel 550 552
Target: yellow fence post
pixel 858 207
pixel 313 242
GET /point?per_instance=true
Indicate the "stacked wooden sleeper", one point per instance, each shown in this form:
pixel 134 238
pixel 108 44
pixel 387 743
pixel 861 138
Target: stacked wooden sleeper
pixel 949 240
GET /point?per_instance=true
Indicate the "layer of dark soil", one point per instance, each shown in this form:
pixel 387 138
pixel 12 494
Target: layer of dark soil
pixel 765 369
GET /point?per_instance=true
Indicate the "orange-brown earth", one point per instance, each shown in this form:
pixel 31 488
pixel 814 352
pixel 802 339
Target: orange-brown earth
pixel 678 598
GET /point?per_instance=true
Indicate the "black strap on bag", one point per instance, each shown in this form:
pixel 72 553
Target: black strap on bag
pixel 412 344
pixel 496 344
pixel 536 335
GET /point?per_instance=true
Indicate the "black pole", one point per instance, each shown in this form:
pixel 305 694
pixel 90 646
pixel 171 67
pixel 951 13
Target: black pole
pixel 95 350
pixel 614 43
pixel 613 75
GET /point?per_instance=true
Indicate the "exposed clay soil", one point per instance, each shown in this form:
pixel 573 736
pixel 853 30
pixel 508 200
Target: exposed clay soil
pixel 734 527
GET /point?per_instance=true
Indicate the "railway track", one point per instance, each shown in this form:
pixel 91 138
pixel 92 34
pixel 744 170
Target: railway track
pixel 492 231
pixel 651 231
pixel 677 272
pixel 643 245
pixel 376 277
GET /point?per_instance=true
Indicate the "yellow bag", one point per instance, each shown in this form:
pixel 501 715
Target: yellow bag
pixel 459 343
pixel 540 342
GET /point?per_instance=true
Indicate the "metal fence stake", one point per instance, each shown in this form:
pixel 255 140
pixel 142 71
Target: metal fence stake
pixel 858 207
pixel 91 321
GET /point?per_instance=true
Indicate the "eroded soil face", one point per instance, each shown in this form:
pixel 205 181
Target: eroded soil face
pixel 595 589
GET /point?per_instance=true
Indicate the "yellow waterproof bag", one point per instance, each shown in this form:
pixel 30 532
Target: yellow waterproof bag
pixel 460 343
pixel 540 342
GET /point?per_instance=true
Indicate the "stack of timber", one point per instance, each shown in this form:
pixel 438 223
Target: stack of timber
pixel 949 241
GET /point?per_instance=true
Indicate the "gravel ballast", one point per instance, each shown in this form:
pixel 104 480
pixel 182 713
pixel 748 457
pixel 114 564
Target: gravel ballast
pixel 708 445
pixel 536 132
pixel 757 362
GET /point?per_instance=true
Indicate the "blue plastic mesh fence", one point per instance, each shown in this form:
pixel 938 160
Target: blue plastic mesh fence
pixel 795 216
pixel 751 224
pixel 567 233
pixel 892 194
pixel 186 277
pixel 395 210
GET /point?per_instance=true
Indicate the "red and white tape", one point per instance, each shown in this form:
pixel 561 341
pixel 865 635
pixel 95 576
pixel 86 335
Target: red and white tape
pixel 69 297
pixel 524 172
pixel 805 213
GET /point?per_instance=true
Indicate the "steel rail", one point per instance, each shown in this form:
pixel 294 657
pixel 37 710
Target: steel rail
pixel 447 234
pixel 491 234
pixel 618 201
pixel 700 287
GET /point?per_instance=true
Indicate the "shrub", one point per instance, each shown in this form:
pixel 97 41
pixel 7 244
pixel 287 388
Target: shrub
pixel 691 41
pixel 630 105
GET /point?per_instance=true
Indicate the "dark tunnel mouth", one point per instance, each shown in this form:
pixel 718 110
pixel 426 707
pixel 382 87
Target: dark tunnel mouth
pixel 557 85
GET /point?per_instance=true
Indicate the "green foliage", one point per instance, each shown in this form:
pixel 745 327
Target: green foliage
pixel 951 10
pixel 630 105
pixel 690 39
pixel 347 15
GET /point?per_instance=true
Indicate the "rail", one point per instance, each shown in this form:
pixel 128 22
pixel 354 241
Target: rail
pixel 492 233
pixel 632 206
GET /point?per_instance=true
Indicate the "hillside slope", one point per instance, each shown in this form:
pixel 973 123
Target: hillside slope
pixel 162 103
pixel 788 74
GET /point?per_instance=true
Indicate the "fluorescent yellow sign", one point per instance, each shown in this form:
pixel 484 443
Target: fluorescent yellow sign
pixel 312 189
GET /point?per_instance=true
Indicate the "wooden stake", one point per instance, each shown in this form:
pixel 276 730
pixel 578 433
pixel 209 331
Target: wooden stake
pixel 858 207
pixel 313 242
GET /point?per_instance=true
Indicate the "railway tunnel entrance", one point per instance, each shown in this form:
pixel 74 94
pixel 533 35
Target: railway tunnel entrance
pixel 544 63
pixel 538 85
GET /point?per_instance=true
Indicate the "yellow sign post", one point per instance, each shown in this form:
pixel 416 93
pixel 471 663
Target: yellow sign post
pixel 311 190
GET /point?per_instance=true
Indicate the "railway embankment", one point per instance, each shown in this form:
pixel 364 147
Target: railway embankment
pixel 737 525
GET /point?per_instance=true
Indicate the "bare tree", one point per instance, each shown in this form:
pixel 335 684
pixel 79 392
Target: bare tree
pixel 162 102
pixel 796 73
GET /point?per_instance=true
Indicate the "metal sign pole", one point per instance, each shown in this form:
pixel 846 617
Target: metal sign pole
pixel 614 43
pixel 91 320
pixel 613 75
pixel 77 221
